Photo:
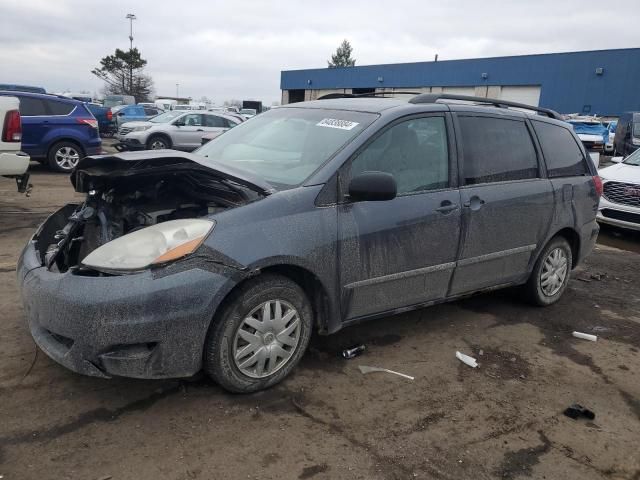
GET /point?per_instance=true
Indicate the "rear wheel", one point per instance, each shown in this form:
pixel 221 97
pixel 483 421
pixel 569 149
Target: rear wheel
pixel 158 142
pixel 550 275
pixel 64 156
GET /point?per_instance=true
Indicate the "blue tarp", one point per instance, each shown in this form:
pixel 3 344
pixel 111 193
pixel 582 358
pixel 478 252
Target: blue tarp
pixel 591 129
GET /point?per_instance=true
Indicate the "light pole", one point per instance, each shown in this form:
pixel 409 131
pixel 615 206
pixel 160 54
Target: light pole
pixel 131 18
pixel 177 90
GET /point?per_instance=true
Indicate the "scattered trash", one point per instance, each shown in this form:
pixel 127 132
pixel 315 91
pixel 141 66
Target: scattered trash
pixel 598 328
pixel 481 352
pixel 576 411
pixel 598 276
pixel 106 477
pixel 353 352
pixel 365 369
pixel 466 359
pixel 585 336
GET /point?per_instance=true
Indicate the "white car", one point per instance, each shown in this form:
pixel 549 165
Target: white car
pixel 620 202
pixel 13 162
pixel 174 129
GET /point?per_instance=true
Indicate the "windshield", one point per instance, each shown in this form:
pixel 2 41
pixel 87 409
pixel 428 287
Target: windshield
pixel 286 145
pixel 633 159
pixel 165 117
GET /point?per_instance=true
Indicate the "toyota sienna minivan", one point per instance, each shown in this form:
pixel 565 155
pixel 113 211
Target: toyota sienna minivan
pixel 309 218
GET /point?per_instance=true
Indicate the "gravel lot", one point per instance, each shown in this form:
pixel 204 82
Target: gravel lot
pixel 328 421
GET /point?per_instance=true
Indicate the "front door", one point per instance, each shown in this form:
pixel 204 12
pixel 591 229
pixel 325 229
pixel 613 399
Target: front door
pixel 401 252
pixel 507 206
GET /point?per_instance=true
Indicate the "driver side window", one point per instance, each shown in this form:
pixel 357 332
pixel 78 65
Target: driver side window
pixel 415 152
pixel 192 120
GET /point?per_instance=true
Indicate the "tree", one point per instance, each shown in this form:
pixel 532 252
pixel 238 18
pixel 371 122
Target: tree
pixel 122 75
pixel 342 57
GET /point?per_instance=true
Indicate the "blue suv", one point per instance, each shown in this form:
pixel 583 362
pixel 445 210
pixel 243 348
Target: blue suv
pixel 57 130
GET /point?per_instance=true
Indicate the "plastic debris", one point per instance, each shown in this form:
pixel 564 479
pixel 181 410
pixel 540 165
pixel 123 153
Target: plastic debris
pixel 576 411
pixel 467 360
pixel 365 369
pixel 353 352
pixel 585 336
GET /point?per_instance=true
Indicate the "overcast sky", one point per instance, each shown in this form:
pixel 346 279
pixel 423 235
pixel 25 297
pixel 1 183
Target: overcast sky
pixel 236 49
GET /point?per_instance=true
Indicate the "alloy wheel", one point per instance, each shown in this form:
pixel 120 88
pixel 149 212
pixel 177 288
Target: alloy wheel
pixel 67 157
pixel 554 272
pixel 266 339
pixel 158 145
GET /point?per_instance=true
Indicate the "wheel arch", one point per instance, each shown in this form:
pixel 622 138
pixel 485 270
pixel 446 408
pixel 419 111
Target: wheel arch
pixel 313 287
pixel 52 143
pixel 163 135
pixel 573 238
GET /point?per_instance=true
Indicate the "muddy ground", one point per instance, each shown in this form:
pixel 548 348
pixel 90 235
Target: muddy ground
pixel 328 421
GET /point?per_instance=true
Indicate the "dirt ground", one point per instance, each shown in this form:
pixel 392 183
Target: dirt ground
pixel 328 421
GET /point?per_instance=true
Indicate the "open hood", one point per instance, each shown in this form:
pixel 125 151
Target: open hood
pixel 94 170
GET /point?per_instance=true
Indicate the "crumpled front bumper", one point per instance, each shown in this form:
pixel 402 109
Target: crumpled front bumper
pixel 143 325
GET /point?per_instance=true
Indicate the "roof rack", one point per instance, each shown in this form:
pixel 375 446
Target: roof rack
pixel 330 96
pixel 434 97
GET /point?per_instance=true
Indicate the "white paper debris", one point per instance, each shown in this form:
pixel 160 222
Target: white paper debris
pixel 466 359
pixel 585 336
pixel 365 369
pixel 336 123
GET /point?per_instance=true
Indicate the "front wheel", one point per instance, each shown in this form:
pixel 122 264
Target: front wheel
pixel 158 142
pixel 550 274
pixel 260 335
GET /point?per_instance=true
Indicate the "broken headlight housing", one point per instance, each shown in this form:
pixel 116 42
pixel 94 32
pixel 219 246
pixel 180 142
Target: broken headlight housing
pixel 157 244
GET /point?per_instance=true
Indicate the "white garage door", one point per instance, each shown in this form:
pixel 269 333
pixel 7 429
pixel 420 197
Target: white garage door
pixel 470 91
pixel 527 94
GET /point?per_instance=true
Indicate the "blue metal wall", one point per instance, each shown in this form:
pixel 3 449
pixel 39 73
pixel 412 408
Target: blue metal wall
pixel 569 81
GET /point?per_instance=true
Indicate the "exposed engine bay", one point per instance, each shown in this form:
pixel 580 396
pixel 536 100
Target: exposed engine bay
pixel 119 203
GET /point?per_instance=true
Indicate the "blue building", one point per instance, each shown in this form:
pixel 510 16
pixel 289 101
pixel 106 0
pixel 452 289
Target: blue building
pixel 602 82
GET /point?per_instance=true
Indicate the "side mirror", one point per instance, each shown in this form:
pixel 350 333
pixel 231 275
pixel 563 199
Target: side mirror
pixel 121 114
pixel 178 123
pixel 372 187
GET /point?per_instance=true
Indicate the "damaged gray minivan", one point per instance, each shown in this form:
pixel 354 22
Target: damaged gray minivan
pixel 310 217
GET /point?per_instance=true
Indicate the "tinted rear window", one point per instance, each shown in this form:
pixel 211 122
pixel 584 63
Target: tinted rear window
pixel 562 154
pixel 497 150
pixel 59 108
pixel 30 107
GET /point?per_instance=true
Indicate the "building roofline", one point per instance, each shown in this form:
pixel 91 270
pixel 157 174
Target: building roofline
pixel 466 59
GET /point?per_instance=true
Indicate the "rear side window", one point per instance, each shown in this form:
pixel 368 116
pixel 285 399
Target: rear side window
pixel 497 150
pixel 562 153
pixel 215 121
pixel 59 108
pixel 31 107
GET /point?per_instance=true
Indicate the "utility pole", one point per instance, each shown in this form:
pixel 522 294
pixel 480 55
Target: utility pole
pixel 177 90
pixel 131 18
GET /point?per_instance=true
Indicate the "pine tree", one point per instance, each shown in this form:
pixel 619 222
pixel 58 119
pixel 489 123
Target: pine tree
pixel 342 57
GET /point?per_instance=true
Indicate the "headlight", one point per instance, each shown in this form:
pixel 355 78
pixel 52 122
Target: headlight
pixel 157 244
pixel 141 128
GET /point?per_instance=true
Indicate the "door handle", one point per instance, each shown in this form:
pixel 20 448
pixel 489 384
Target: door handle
pixel 446 207
pixel 474 203
pixel 200 130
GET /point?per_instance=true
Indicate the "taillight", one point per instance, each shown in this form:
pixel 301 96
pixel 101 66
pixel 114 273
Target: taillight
pixel 92 122
pixel 109 115
pixel 12 130
pixel 598 183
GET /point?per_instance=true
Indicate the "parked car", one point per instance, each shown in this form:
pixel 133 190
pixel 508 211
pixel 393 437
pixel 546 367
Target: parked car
pixel 611 129
pixel 591 132
pixel 627 138
pixel 248 113
pixel 310 217
pixel 13 162
pixel 620 202
pixel 104 116
pixel 184 108
pixel 56 129
pixel 133 113
pixel 175 129
pixel 165 104
pixel 115 100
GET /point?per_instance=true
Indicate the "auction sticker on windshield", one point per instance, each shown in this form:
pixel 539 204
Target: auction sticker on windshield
pixel 336 123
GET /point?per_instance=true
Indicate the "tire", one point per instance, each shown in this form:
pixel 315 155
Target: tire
pixel 64 156
pixel 158 142
pixel 546 283
pixel 231 337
